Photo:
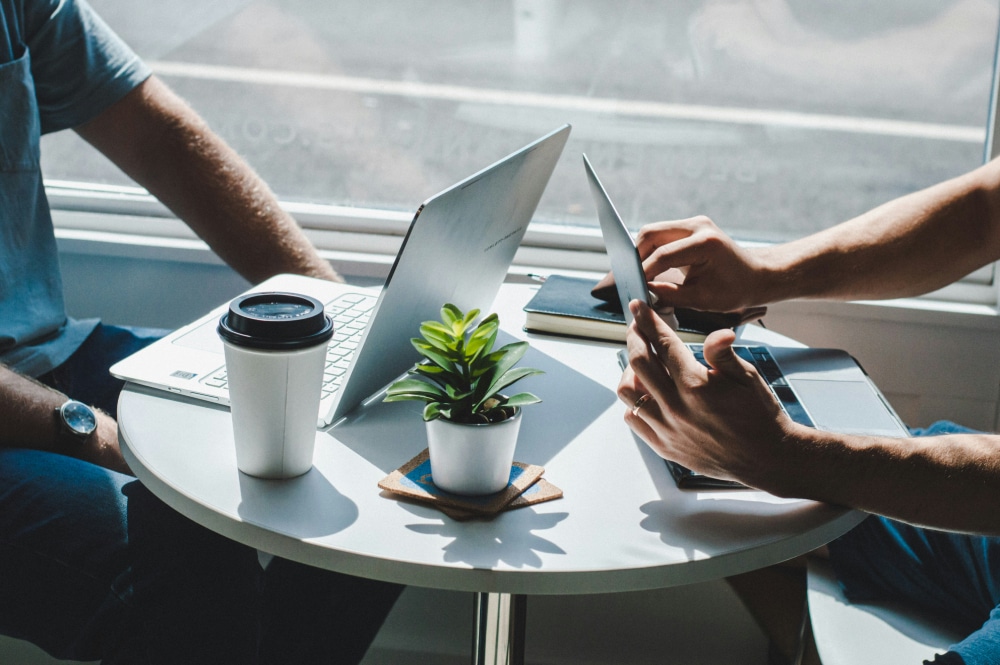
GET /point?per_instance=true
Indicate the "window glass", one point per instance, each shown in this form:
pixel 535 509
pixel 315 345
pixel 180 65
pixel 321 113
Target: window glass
pixel 774 117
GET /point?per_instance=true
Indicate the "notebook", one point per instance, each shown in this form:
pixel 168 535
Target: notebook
pixel 822 388
pixel 458 249
pixel 564 305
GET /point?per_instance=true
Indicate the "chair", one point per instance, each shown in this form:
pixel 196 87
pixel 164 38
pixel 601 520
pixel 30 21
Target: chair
pixel 24 653
pixel 885 633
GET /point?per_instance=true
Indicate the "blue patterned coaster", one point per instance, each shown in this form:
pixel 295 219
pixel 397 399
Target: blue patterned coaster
pixel 413 481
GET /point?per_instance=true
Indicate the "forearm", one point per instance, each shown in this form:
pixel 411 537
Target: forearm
pixel 27 420
pixel 163 145
pixel 946 482
pixel 909 246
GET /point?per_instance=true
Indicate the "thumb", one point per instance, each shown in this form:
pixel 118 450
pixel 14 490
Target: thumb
pixel 606 289
pixel 720 356
pixel 676 295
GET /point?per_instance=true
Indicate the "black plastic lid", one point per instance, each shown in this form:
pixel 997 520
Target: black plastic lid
pixel 275 320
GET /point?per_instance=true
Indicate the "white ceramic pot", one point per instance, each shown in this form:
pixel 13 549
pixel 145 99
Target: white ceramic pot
pixel 472 459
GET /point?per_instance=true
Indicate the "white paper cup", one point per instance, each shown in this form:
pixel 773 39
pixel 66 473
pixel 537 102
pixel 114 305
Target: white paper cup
pixel 275 347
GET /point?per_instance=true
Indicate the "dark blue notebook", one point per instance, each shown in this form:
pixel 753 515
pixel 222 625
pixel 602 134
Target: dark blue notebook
pixel 564 306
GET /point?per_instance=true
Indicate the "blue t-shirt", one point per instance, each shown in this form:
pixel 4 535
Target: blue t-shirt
pixel 60 66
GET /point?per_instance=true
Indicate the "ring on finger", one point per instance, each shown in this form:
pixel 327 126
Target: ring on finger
pixel 641 402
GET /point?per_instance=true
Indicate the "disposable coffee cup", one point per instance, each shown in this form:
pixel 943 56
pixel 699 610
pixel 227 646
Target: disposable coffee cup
pixel 275 346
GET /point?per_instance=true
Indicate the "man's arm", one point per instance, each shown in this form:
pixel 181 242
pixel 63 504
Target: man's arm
pixel 909 246
pixel 162 144
pixel 27 420
pixel 725 423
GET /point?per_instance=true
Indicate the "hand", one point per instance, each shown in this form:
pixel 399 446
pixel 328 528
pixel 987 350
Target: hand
pixel 721 421
pixel 692 263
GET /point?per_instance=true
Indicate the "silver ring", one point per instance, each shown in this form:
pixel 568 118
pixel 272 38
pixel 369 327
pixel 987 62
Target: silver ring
pixel 641 402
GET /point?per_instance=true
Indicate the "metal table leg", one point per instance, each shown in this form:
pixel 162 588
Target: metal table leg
pixel 498 629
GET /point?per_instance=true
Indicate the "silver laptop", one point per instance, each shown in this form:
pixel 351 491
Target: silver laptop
pixel 822 388
pixel 458 249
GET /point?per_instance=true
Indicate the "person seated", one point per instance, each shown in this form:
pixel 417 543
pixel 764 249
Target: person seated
pixel 92 565
pixel 933 538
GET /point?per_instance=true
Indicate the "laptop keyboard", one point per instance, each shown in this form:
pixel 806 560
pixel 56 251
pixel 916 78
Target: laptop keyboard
pixel 761 358
pixel 350 313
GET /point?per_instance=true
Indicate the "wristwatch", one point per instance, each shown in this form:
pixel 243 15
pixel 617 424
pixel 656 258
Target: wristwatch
pixel 76 419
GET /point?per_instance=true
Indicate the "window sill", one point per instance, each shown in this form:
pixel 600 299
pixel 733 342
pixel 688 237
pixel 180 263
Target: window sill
pixel 375 264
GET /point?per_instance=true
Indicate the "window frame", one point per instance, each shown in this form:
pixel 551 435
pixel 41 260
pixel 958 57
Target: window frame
pixel 368 239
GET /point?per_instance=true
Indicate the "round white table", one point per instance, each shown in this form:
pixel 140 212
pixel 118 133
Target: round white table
pixel 622 524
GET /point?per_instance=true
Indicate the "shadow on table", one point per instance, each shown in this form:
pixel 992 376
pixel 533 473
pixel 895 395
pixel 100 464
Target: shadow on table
pixel 269 502
pixel 389 434
pixel 481 544
pixel 716 519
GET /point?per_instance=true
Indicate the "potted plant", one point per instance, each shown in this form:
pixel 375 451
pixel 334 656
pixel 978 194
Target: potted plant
pixel 471 425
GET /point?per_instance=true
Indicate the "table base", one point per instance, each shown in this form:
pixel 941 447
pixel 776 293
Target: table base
pixel 499 626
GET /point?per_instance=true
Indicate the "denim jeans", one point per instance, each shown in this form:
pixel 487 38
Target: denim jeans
pixel 93 566
pixel 954 576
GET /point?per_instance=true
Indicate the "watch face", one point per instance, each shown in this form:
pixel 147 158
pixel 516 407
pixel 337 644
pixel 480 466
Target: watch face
pixel 79 418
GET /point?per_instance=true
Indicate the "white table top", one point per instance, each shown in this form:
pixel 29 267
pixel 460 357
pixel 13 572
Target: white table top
pixel 621 525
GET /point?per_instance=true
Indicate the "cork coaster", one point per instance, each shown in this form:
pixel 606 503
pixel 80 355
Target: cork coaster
pixel 413 481
pixel 541 491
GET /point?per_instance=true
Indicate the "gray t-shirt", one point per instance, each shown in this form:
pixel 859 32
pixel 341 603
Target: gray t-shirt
pixel 60 66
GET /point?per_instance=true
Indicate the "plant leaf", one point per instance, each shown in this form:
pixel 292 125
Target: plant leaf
pixel 522 399
pixel 439 337
pixel 437 326
pixel 470 317
pixel 428 370
pixel 515 351
pixel 433 354
pixel 482 338
pixel 413 389
pixel 450 315
pixel 501 360
pixel 440 376
pixel 432 411
pixel 511 376
pixel 461 370
pixel 485 362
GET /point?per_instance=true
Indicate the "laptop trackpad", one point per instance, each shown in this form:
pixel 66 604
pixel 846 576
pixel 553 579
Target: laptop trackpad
pixel 203 337
pixel 848 407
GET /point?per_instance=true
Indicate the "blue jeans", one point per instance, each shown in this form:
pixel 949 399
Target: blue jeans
pixel 954 576
pixel 93 566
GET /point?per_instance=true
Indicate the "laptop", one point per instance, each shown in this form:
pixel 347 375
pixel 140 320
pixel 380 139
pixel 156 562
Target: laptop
pixel 822 388
pixel 457 249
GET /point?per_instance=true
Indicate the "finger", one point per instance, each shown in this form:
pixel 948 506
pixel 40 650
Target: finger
pixel 666 293
pixel 676 358
pixel 650 238
pixel 606 289
pixel 643 430
pixel 719 354
pixel 672 275
pixel 667 314
pixel 657 234
pixel 647 367
pixel 687 251
pixel 630 388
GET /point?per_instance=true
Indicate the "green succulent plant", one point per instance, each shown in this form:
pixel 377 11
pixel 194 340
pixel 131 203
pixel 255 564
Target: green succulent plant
pixel 462 377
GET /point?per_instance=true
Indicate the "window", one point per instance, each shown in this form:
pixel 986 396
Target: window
pixel 774 117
